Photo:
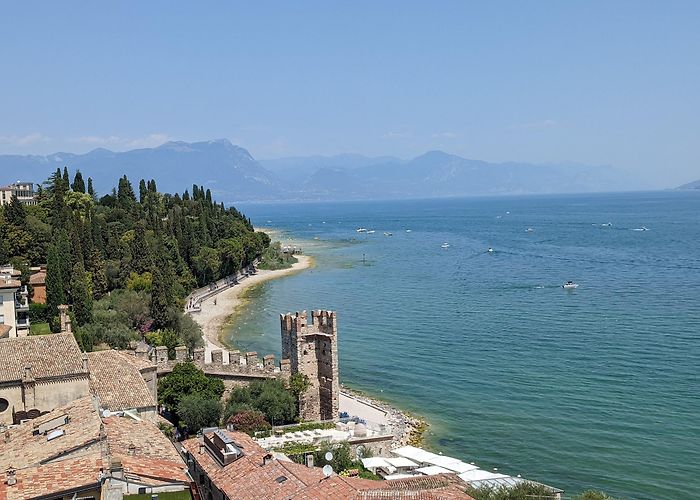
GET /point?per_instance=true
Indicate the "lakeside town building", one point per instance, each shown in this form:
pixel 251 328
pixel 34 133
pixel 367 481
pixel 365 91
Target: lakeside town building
pixel 14 304
pixel 24 191
pixel 225 464
pixel 80 450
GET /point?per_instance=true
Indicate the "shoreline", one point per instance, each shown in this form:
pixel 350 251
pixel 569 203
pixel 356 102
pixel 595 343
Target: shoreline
pixel 213 317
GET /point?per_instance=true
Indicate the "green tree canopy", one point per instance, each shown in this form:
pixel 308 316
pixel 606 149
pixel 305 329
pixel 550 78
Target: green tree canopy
pixel 186 379
pixel 196 411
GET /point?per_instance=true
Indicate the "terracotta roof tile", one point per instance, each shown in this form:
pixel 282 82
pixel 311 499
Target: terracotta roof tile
pixel 248 477
pixel 55 355
pixel 139 363
pixel 80 434
pixel 4 330
pixel 127 436
pixel 56 477
pixel 117 383
pixel 9 283
pixel 73 460
pixel 38 278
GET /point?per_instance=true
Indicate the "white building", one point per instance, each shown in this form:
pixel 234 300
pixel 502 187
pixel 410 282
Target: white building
pixel 23 190
pixel 14 304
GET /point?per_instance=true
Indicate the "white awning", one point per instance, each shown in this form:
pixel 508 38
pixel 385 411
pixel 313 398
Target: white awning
pixel 415 454
pixel 452 464
pixel 401 462
pixel 480 475
pixel 374 462
pixel 432 470
pixel 398 476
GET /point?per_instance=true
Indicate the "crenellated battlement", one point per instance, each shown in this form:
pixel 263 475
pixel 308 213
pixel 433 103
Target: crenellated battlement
pixel 223 363
pixel 312 350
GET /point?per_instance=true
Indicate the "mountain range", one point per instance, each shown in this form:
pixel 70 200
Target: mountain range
pixel 690 185
pixel 233 174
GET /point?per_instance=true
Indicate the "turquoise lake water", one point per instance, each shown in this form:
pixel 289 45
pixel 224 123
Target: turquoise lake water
pixel 596 387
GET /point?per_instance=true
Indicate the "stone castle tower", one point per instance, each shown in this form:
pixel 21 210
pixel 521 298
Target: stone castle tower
pixel 312 349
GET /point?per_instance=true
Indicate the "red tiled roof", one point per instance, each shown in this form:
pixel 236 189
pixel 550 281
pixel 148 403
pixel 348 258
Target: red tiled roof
pixel 127 436
pixel 117 383
pixel 38 278
pixel 73 460
pixel 55 355
pixel 248 477
pixel 9 283
pixel 54 478
pixel 25 449
pixel 4 330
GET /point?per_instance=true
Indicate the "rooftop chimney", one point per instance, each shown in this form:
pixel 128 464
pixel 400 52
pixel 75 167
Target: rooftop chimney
pixel 11 479
pixel 267 459
pixel 310 460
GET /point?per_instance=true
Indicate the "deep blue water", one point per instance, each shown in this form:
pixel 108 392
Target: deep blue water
pixel 596 387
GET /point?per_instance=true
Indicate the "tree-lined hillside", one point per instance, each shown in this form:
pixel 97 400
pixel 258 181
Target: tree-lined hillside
pixel 157 245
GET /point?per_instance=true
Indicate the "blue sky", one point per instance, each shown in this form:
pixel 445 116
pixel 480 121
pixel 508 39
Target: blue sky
pixel 610 82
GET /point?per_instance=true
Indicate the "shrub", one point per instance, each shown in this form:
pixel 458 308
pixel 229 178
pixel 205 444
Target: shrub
pixel 249 421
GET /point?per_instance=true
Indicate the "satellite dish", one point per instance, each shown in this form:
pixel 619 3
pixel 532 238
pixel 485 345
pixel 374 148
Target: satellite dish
pixel 329 456
pixel 106 413
pixel 327 470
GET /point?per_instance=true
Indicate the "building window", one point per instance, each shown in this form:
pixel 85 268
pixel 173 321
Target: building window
pixel 2 319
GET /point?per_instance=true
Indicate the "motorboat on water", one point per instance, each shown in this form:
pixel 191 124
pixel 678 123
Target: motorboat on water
pixel 445 245
pixel 529 230
pixel 361 230
pixel 371 231
pixel 490 250
pixel 569 285
pixel 408 230
pixel 388 234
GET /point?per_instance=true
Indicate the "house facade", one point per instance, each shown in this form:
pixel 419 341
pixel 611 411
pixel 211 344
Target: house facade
pixel 23 190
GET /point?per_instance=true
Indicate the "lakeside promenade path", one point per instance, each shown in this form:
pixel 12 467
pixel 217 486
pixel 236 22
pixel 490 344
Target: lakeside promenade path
pixel 211 306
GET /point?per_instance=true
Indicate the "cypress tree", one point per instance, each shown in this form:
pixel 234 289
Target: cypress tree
pixel 55 286
pixel 81 294
pixel 66 179
pixel 64 261
pixel 90 189
pixel 160 299
pixel 142 191
pixel 78 184
pixel 99 274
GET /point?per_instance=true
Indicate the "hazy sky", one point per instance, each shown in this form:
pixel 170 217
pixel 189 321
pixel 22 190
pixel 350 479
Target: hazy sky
pixel 608 82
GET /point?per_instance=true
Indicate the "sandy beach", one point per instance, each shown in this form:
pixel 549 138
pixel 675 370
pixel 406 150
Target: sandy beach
pixel 217 309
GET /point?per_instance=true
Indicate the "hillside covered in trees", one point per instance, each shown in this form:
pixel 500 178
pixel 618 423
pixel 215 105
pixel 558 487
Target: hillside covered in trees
pixel 125 261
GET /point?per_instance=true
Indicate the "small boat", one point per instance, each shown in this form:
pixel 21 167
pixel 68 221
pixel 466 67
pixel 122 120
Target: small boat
pixel 408 230
pixel 445 245
pixel 361 230
pixel 529 230
pixel 388 234
pixel 609 224
pixel 569 285
pixel 371 231
pixel 490 250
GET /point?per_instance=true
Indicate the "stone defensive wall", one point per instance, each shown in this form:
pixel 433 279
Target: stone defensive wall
pixel 240 366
